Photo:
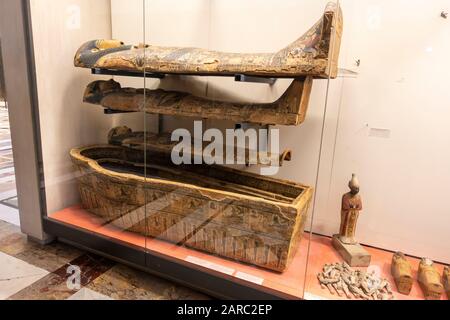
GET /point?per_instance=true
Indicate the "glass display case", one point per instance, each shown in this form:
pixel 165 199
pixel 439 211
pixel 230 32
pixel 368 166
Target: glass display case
pixel 210 142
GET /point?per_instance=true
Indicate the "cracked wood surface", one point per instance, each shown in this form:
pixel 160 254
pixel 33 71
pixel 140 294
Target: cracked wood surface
pixel 314 54
pixel 289 109
pixel 230 213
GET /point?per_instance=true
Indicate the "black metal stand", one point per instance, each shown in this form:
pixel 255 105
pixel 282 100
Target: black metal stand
pixel 110 112
pixel 237 77
pixel 127 73
pixel 244 78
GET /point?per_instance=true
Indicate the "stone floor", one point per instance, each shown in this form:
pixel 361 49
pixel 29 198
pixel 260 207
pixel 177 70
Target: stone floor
pixel 29 271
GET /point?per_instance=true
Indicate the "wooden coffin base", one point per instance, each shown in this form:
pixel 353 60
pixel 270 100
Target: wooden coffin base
pixel 230 213
pixel 354 255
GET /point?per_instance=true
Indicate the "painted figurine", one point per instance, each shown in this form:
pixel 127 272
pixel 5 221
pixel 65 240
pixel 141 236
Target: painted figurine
pixel 351 207
pixel 402 273
pixel 447 280
pixel 430 280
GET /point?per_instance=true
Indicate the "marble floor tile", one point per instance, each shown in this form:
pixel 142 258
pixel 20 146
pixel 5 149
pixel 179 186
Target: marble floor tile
pixel 124 283
pixel 91 267
pixel 87 294
pixel 7 154
pixel 50 287
pixel 7 229
pixel 5 163
pixel 8 187
pixel 12 202
pixel 8 194
pixel 9 214
pixel 55 286
pixel 50 257
pixel 100 278
pixel 16 275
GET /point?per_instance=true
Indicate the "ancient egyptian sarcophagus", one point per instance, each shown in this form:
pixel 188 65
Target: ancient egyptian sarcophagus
pixel 314 54
pixel 289 109
pixel 226 212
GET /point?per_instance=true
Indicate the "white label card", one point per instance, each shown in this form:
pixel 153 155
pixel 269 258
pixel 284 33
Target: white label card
pixel 210 265
pixel 249 278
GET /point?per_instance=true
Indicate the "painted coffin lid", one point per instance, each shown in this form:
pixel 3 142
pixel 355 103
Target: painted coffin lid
pixel 230 213
pixel 290 109
pixel 314 54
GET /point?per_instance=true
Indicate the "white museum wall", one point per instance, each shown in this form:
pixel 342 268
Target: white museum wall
pixel 129 14
pixel 393 129
pixel 127 25
pixel 59 28
pixel 188 26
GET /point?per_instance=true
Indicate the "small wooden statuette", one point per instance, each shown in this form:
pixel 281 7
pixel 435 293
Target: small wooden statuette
pixel 447 281
pixel 402 273
pixel 430 280
pixel 344 242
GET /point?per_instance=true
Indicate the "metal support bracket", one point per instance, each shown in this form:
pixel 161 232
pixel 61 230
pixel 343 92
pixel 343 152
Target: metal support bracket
pixel 110 112
pixel 109 72
pixel 251 79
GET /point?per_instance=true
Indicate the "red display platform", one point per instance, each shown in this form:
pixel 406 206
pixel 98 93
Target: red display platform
pixel 289 284
pixel 322 252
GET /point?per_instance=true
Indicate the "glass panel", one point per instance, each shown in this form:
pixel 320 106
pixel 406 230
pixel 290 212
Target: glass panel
pixel 89 188
pixel 2 83
pixel 247 224
pixel 110 167
pixel 387 124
